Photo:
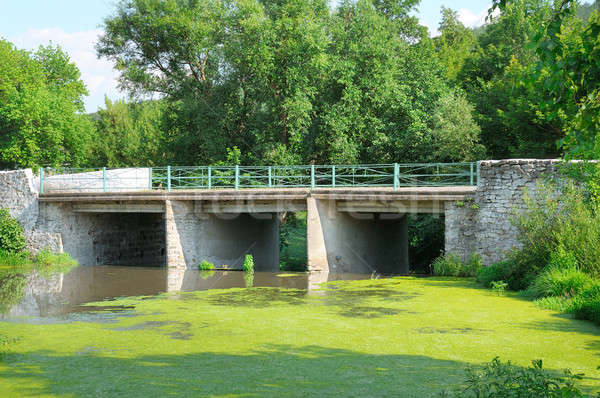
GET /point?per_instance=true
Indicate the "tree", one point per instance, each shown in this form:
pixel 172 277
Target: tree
pixel 512 121
pixel 130 134
pixel 41 109
pixel 455 133
pixel 569 68
pixel 455 43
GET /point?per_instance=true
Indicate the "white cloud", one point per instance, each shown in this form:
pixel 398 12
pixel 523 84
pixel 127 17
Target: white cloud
pixel 98 74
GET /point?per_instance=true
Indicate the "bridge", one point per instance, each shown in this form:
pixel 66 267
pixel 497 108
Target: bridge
pixel 180 216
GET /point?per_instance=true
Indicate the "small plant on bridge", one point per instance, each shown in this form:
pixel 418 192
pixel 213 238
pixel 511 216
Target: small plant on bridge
pixel 248 265
pixel 206 266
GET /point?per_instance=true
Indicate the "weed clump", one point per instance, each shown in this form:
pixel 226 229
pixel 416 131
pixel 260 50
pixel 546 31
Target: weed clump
pixel 248 265
pixel 206 266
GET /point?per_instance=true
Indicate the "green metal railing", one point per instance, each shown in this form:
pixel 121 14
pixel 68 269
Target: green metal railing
pixel 242 177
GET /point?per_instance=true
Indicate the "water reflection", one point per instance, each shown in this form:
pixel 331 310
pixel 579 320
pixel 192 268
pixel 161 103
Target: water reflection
pixel 45 296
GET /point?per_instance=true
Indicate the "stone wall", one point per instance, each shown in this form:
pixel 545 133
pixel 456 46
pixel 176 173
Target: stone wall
pixel 483 224
pixel 136 239
pixel 18 193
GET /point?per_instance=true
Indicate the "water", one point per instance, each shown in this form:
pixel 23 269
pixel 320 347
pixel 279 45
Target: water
pixel 66 293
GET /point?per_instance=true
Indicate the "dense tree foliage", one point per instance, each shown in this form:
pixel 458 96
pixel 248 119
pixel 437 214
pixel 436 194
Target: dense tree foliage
pixel 41 109
pixel 130 134
pixel 289 81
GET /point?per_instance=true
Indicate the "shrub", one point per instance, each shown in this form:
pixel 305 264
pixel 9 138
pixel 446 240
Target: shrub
pixel 559 282
pixel 451 265
pixel 559 216
pixel 499 287
pixel 206 266
pixel 560 304
pixel 513 271
pixel 586 305
pixel 12 234
pixel 493 273
pixel 447 265
pixel 46 258
pixel 472 266
pixel 503 379
pixel 248 265
pixel 14 259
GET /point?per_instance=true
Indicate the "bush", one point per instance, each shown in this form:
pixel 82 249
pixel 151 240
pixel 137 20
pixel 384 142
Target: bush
pixel 586 305
pixel 451 265
pixel 472 266
pixel 12 234
pixel 560 304
pixel 494 273
pixel 47 258
pixel 447 265
pixel 248 265
pixel 559 282
pixel 503 379
pixel 559 216
pixel 206 266
pixel 14 259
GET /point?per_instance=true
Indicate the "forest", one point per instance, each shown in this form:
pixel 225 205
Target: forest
pixel 301 82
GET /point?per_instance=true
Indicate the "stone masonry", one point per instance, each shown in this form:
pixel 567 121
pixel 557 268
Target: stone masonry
pixel 482 225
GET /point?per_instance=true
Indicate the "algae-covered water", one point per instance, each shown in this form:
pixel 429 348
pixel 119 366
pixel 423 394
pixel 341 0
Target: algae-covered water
pixel 122 331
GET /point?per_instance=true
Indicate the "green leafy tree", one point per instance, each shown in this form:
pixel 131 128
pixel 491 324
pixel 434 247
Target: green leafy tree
pixel 455 43
pixel 455 133
pixel 569 68
pixel 130 134
pixel 512 121
pixel 41 109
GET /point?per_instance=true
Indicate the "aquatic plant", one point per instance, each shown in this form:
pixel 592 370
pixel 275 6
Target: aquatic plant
pixel 206 266
pixel 248 265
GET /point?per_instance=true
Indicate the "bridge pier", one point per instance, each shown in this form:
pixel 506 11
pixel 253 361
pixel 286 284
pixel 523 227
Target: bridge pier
pixel 193 235
pixel 357 242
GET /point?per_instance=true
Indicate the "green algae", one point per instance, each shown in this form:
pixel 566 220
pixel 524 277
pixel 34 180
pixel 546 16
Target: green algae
pixel 405 337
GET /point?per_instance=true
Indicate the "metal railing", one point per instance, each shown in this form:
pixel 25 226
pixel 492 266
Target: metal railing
pixel 241 177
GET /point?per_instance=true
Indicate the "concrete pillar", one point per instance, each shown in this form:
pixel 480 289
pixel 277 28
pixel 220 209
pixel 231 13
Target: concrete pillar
pixel 222 239
pixel 355 242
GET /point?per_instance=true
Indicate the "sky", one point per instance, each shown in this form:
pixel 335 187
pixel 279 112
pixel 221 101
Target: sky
pixel 76 24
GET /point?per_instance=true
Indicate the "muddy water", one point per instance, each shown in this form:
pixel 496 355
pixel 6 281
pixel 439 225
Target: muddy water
pixel 65 293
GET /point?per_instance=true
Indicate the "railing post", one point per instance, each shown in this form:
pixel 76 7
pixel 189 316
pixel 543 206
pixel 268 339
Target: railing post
pixel 150 178
pixel 41 180
pixel 396 175
pixel 478 170
pixel 270 178
pixel 104 179
pixel 168 178
pixel 237 177
pixel 209 177
pixel 333 176
pixel 471 173
pixel 312 176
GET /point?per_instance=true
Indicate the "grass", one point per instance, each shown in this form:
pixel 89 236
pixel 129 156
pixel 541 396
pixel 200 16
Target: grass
pixel 404 337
